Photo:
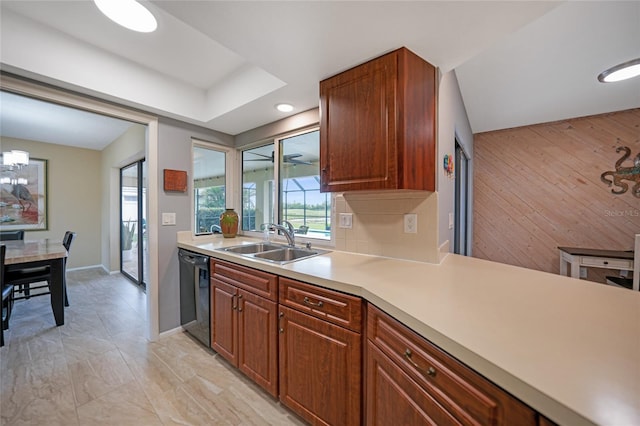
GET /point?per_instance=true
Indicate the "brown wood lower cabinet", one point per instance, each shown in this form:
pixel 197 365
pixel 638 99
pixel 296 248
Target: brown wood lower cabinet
pixel 243 324
pixel 410 381
pixel 304 344
pixel 320 362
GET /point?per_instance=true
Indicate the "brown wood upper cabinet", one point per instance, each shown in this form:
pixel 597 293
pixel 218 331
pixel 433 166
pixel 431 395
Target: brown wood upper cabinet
pixel 377 126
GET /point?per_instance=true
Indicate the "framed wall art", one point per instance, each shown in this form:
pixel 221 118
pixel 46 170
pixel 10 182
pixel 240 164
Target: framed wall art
pixel 175 180
pixel 23 196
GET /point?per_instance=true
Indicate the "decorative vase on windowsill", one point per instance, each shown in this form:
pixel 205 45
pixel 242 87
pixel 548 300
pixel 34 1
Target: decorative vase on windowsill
pixel 229 223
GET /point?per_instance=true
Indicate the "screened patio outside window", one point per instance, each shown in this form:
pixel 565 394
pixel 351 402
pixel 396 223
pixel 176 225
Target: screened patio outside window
pixel 296 183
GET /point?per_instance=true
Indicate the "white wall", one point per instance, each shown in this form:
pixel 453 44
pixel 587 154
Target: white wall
pixel 128 148
pixel 452 121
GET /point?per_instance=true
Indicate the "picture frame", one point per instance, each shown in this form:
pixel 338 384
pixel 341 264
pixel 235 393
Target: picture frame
pixel 175 180
pixel 24 197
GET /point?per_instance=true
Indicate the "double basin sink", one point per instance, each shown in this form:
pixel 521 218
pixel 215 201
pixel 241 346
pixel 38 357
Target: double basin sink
pixel 276 253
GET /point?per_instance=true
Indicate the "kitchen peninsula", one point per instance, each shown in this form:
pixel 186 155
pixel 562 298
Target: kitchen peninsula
pixel 567 348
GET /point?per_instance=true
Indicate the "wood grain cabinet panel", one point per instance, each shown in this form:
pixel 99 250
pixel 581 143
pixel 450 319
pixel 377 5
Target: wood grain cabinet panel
pixel 377 125
pixel 337 308
pixel 320 362
pixel 261 283
pixel 244 324
pixel 467 396
pixel 393 398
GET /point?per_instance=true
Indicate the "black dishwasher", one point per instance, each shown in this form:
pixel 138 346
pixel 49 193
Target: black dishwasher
pixel 194 295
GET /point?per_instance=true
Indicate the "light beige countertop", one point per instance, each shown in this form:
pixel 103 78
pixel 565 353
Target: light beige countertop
pixel 568 348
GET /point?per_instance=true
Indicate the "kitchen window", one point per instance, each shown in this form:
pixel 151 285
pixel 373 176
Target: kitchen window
pixel 286 189
pixel 209 187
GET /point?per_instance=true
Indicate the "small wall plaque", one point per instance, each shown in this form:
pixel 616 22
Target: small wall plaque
pixel 175 180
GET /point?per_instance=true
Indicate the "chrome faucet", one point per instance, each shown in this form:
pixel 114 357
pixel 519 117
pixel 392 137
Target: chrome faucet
pixel 288 231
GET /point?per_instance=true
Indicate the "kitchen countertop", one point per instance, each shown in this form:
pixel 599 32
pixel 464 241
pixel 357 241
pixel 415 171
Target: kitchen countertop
pixel 569 348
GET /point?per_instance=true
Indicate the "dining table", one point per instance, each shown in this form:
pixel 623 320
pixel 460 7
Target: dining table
pixel 26 254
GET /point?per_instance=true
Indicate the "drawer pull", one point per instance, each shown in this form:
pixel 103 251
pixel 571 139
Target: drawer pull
pixel 431 372
pixel 310 303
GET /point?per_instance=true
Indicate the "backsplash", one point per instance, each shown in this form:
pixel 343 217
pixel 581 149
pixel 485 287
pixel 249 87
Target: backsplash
pixel 378 224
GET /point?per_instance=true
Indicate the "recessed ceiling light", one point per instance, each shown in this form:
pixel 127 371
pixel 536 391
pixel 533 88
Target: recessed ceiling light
pixel 621 72
pixel 284 107
pixel 128 13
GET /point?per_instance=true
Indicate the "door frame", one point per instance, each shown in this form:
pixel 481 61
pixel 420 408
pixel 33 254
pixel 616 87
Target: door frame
pixel 461 244
pixel 24 87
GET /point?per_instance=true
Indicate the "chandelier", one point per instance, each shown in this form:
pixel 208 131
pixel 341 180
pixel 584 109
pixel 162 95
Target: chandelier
pixel 12 162
pixel 15 159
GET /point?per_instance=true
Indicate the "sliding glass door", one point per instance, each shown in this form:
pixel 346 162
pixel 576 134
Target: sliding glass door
pixel 133 229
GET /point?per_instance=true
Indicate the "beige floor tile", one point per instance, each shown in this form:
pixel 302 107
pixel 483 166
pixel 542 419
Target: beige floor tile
pixel 96 376
pixel 99 369
pixel 125 405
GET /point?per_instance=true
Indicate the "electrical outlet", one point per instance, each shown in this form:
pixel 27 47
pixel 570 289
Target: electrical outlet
pixel 583 272
pixel 450 220
pixel 345 220
pixel 410 223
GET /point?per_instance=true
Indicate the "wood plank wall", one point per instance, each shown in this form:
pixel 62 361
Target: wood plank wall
pixel 538 187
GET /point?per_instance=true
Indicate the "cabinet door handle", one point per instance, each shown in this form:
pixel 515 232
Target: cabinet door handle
pixel 431 372
pixel 239 306
pixel 310 303
pixel 280 329
pixel 234 306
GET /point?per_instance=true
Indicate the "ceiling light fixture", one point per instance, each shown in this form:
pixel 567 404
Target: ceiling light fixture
pixel 284 107
pixel 621 72
pixel 128 13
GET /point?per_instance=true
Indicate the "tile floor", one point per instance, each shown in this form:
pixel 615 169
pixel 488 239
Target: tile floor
pixel 98 369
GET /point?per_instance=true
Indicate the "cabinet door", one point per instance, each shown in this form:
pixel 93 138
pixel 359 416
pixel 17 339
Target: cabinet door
pixel 258 340
pixel 320 369
pixel 358 140
pixel 393 398
pixel 223 320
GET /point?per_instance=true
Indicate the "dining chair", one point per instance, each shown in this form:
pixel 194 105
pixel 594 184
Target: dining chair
pixel 630 283
pixel 11 235
pixel 7 296
pixel 23 280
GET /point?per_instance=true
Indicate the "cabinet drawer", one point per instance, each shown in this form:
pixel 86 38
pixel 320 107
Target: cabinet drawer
pixel 467 395
pixel 337 308
pixel 257 282
pixel 393 398
pixel 601 262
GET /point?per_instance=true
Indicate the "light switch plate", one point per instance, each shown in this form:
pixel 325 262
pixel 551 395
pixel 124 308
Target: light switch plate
pixel 345 220
pixel 450 220
pixel 168 219
pixel 410 223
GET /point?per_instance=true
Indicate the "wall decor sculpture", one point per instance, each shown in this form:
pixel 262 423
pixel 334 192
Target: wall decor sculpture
pixel 622 173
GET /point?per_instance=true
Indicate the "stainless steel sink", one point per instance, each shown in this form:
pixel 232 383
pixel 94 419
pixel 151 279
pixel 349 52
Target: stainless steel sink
pixel 276 253
pixel 286 254
pixel 253 248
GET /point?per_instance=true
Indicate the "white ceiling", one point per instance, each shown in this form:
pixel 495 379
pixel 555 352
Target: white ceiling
pixel 225 64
